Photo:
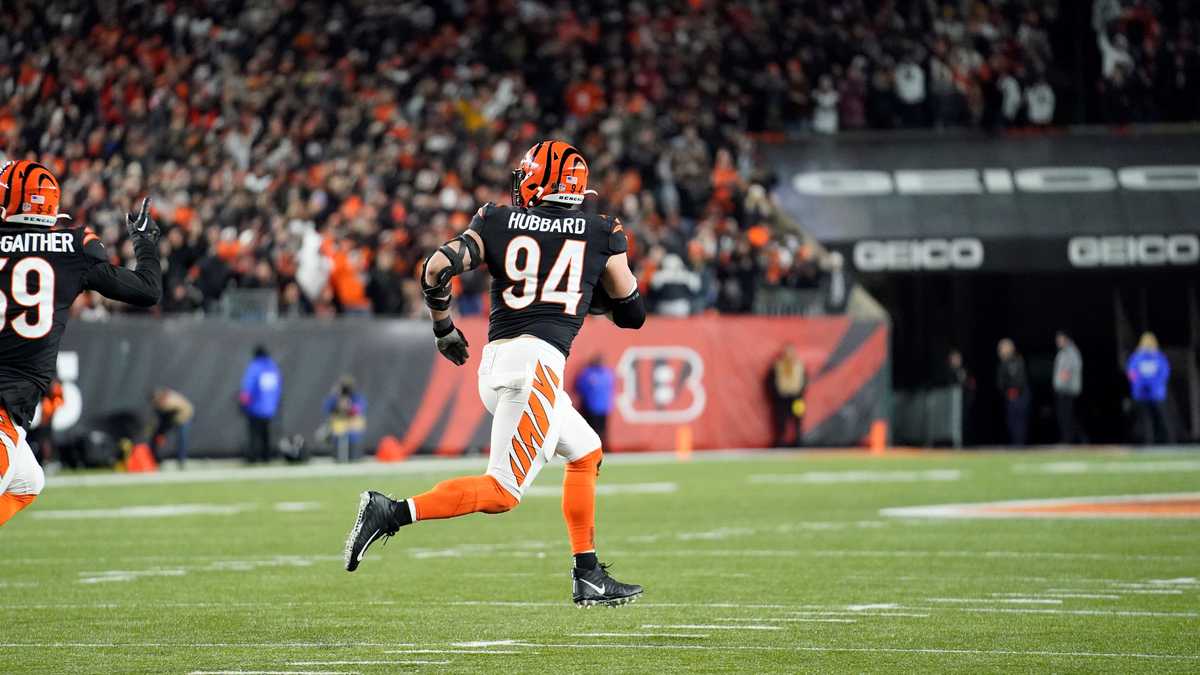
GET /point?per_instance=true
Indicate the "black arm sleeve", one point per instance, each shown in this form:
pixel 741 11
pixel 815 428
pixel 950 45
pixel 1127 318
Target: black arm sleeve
pixel 141 286
pixel 629 312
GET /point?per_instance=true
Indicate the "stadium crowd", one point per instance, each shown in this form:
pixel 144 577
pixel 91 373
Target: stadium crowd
pixel 321 149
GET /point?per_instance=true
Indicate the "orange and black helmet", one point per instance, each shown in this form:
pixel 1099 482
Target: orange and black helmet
pixel 29 194
pixel 552 171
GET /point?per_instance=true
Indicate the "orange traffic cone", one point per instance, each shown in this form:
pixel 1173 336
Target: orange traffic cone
pixel 141 460
pixel 683 443
pixel 877 438
pixel 390 449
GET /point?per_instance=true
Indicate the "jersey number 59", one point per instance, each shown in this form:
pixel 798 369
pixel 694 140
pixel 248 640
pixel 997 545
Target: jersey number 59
pixel 567 269
pixel 42 299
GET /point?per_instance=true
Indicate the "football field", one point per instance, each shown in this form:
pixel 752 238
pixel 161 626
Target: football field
pixel 759 563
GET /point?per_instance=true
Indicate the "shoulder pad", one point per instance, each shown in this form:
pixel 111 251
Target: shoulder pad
pixel 480 215
pixel 617 243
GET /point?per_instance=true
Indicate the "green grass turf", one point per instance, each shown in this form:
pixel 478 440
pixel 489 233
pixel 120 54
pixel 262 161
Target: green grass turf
pixel 264 590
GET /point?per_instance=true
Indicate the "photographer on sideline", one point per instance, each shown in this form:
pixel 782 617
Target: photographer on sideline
pixel 345 411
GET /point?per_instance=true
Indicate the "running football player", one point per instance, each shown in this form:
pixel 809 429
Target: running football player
pixel 549 263
pixel 42 268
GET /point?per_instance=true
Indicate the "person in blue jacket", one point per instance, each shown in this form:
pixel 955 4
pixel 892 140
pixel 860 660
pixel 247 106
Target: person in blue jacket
pixel 1148 372
pixel 262 386
pixel 596 385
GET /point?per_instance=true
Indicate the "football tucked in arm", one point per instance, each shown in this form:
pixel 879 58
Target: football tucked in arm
pixel 601 302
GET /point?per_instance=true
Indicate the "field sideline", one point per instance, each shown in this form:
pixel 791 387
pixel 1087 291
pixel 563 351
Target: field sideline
pixel 763 562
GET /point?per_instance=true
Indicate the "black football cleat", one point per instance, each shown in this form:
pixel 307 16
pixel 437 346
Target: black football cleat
pixel 374 521
pixel 595 587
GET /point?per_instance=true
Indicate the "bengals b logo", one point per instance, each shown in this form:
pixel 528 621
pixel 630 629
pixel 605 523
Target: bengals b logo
pixel 661 385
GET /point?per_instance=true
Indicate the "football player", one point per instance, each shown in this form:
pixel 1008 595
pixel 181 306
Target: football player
pixel 549 263
pixel 42 268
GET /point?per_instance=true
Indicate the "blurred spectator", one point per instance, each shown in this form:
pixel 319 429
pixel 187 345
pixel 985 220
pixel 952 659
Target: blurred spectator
pixel 41 436
pixel 910 90
pixel 385 287
pixel 825 118
pixel 957 375
pixel 674 289
pixel 294 145
pixel 173 413
pixel 1149 371
pixel 1039 101
pixel 787 382
pixel 1013 383
pixel 262 388
pixel 1068 384
pixel 837 292
pixel 596 388
pixel 345 420
pixel 1011 99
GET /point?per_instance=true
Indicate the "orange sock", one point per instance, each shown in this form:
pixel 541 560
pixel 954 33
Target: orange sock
pixel 10 504
pixel 579 501
pixel 460 496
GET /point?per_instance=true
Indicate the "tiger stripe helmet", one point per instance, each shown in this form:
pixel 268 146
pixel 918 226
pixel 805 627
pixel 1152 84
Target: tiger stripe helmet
pixel 29 194
pixel 552 171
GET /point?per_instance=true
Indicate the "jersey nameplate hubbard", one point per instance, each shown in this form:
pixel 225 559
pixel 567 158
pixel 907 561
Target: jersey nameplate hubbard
pixel 545 261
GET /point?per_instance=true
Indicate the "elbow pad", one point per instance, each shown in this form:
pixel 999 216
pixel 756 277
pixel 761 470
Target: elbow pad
pixel 629 312
pixel 437 297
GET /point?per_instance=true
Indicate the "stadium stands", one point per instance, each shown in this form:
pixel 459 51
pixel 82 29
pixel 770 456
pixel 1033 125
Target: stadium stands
pixel 317 149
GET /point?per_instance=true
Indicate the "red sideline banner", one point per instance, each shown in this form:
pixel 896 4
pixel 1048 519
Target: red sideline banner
pixel 704 375
pixel 702 378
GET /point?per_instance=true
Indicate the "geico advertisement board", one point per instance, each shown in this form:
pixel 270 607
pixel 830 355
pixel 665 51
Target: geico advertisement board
pixel 967 254
pixel 937 203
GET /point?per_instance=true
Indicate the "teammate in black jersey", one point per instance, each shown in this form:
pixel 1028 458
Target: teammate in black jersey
pixel 42 268
pixel 549 263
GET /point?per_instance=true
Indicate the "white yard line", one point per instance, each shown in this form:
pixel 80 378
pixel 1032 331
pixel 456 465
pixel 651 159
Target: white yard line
pixel 708 626
pixel 1074 468
pixel 198 645
pixel 877 650
pixel 892 553
pixel 153 511
pixel 912 615
pixel 225 471
pixel 788 619
pixel 417 662
pixel 1083 612
pixel 484 643
pixel 1069 595
pixel 661 488
pixel 1014 601
pixel 273 672
pixel 692 636
pixel 458 651
pixel 835 477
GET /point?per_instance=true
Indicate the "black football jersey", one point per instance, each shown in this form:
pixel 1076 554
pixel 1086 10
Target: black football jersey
pixel 41 272
pixel 545 261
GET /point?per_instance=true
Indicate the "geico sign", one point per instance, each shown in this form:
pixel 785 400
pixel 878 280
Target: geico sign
pixel 996 181
pixel 918 254
pixel 1145 250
